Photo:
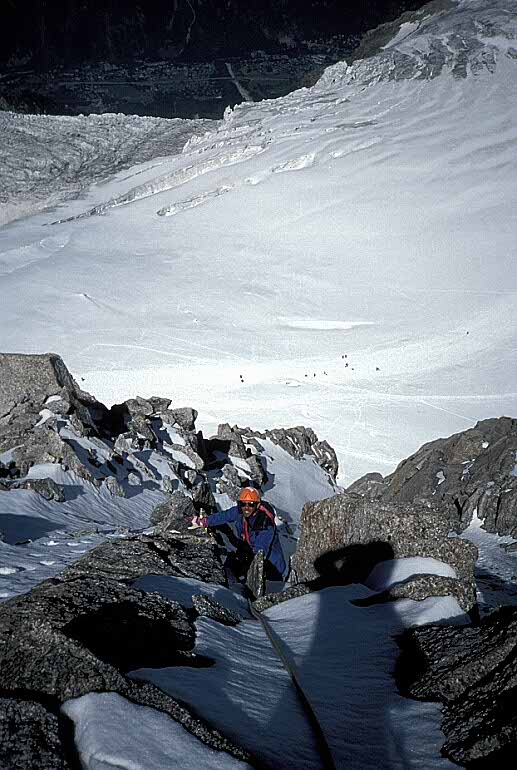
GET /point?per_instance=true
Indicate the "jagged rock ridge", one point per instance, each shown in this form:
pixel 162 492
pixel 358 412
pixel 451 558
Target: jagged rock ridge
pixel 472 471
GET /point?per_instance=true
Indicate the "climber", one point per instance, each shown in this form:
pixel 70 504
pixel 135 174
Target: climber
pixel 255 526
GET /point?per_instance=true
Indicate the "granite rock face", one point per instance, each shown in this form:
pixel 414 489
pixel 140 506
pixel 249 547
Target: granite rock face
pixel 475 470
pixel 175 514
pixel 128 558
pixel 473 672
pixel 207 607
pixel 336 531
pixel 29 737
pixel 83 630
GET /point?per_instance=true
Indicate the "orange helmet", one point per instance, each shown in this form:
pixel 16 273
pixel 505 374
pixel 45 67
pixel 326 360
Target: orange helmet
pixel 249 495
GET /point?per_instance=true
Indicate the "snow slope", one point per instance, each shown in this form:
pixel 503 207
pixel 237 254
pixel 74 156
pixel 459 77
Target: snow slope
pixel 343 656
pixel 347 249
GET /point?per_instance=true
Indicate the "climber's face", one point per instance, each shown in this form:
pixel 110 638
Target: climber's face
pixel 248 508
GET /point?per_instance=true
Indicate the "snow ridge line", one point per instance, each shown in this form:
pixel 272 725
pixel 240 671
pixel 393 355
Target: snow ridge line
pixel 321 740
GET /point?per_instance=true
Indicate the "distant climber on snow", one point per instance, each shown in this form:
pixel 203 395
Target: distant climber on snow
pixel 256 530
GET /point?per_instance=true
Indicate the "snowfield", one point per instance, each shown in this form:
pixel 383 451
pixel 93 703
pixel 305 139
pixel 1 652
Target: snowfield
pixel 347 249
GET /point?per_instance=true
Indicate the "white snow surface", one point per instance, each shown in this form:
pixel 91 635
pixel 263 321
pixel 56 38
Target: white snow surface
pixel 183 589
pixel 389 573
pixel 343 656
pixel 371 216
pixel 153 742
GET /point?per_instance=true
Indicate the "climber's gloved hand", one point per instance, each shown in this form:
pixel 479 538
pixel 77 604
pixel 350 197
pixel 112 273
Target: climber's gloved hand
pixel 199 522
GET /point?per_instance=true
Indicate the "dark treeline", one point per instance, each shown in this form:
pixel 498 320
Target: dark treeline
pixel 47 32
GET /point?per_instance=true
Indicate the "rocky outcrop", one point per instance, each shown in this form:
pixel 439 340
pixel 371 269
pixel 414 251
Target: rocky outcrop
pixel 330 528
pixel 475 470
pixel 45 418
pixel 301 441
pixel 472 670
pixel 175 514
pixel 298 442
pixel 127 559
pixel 29 383
pixel 85 629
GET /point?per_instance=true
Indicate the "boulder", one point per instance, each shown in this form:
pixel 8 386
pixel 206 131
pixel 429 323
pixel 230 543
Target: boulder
pixel 203 498
pixel 371 485
pixel 175 514
pixel 257 474
pixel 391 530
pixel 36 378
pixel 298 442
pixel 256 577
pixel 45 445
pixel 270 600
pixel 472 671
pixel 113 486
pixel 228 441
pixel 231 482
pixel 47 488
pixel 209 608
pixel 182 417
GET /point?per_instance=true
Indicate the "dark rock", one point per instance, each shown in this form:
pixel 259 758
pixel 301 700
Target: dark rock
pixel 57 639
pixel 331 526
pixel 139 426
pixel 184 417
pixel 44 445
pixel 326 458
pixel 60 406
pixel 228 442
pixel 159 404
pixel 139 407
pixel 301 441
pixel 126 443
pixel 69 637
pixel 270 600
pixel 35 378
pixel 258 475
pixel 470 471
pixel 422 586
pixel 256 578
pixel 175 514
pixel 129 558
pixel 209 608
pixel 371 485
pixel 472 671
pixel 113 487
pixel 232 476
pixel 230 482
pixel 29 737
pixel 203 498
pixel 47 488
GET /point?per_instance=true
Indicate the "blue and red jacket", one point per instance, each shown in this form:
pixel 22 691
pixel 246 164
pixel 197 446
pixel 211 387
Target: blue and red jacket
pixel 259 531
